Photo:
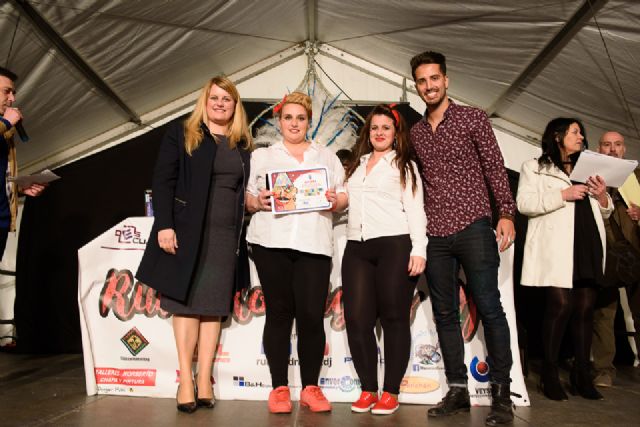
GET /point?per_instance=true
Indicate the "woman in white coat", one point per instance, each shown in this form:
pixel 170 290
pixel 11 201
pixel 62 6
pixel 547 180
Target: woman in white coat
pixel 564 249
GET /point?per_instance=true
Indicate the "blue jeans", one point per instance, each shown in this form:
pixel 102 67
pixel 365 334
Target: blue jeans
pixel 476 250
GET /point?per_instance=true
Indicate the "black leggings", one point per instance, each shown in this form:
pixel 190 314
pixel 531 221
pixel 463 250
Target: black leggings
pixel 573 307
pixel 295 285
pixel 375 284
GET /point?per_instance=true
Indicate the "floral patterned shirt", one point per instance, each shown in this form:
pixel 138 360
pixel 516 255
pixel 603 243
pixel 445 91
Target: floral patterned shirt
pixel 460 162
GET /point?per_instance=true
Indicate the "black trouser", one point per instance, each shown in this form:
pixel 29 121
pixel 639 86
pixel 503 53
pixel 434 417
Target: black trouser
pixel 375 284
pixel 295 285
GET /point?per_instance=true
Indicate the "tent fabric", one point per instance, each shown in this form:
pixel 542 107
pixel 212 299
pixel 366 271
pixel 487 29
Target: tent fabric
pixel 152 53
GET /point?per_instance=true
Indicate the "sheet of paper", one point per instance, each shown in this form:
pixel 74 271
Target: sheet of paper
pixel 614 171
pixel 630 190
pixel 298 190
pixel 38 178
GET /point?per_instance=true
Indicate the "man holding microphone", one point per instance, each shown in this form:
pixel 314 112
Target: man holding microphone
pixel 9 121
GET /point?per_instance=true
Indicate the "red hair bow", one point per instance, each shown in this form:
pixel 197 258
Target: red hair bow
pixel 278 106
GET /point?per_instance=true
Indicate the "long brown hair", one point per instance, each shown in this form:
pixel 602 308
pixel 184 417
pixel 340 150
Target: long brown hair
pixel 239 129
pixel 403 149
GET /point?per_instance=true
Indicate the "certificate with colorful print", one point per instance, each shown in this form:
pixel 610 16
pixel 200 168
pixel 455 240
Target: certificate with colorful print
pixel 298 190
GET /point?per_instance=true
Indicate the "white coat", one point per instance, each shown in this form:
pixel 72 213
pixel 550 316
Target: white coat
pixel 548 249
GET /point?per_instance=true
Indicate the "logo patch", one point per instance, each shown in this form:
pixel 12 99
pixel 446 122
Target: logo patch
pixel 480 369
pixel 134 341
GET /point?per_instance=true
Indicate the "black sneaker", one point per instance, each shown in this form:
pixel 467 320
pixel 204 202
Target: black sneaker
pixel 456 400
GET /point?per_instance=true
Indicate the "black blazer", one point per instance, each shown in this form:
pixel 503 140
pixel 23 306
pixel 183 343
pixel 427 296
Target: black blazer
pixel 180 192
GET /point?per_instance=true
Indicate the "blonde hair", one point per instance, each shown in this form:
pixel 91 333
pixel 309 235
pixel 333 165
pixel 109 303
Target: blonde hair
pixel 238 130
pixel 295 98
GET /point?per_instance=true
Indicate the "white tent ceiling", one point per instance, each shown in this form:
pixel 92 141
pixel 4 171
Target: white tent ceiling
pixel 92 71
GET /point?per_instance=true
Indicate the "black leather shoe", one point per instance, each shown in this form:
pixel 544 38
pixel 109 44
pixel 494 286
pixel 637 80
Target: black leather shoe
pixel 550 382
pixel 582 383
pixel 206 402
pixel 456 400
pixel 187 407
pixel 501 405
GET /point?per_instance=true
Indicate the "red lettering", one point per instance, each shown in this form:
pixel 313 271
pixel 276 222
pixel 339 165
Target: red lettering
pixel 126 299
pixel 468 316
pixel 335 309
pixel 248 303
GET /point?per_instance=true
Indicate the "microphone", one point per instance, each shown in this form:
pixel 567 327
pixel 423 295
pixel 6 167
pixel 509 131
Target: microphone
pixel 21 132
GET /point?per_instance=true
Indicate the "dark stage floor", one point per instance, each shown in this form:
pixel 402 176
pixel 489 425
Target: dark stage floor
pixel 49 390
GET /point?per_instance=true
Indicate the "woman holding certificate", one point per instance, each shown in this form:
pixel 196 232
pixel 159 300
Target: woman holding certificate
pixel 564 250
pixel 192 257
pixel 385 254
pixel 291 244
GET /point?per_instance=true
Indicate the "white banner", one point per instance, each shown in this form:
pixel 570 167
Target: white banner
pixel 129 347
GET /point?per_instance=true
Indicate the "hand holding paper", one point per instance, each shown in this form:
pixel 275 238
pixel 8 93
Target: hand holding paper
pixel 614 171
pixel 26 181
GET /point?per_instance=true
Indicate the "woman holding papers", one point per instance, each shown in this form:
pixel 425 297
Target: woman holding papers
pixel 292 251
pixel 194 256
pixel 564 249
pixel 385 253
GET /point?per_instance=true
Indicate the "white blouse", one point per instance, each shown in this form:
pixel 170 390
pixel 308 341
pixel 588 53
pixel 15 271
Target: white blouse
pixel 379 205
pixel 306 231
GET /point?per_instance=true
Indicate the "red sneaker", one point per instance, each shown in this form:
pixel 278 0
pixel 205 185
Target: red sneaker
pixel 366 402
pixel 280 400
pixel 386 405
pixel 314 399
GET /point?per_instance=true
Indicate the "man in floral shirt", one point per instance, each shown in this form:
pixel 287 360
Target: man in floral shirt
pixel 460 163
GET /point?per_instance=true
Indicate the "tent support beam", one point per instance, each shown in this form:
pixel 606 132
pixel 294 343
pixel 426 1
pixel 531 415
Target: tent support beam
pixel 43 27
pixel 312 9
pixel 588 9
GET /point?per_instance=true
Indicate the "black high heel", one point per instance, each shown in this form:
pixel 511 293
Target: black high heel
pixel 549 383
pixel 187 407
pixel 207 403
pixel 582 384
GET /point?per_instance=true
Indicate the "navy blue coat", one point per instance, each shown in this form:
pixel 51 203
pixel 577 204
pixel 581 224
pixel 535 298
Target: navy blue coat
pixel 180 192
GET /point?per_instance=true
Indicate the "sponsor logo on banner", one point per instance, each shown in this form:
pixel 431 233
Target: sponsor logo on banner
pixel 425 355
pixel 468 315
pixel 345 383
pixel 481 392
pixel 480 369
pixel 418 385
pixel 241 381
pixel 130 377
pixel 126 297
pixel 129 238
pixel 134 341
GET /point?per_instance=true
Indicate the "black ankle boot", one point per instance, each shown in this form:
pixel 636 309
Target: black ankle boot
pixel 582 383
pixel 456 400
pixel 550 382
pixel 501 405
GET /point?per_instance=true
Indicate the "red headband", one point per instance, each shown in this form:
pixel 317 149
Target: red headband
pixel 278 106
pixel 395 113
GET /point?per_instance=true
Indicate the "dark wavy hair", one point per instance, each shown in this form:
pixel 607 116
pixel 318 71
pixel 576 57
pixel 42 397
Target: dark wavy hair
pixel 404 153
pixel 428 57
pixel 552 139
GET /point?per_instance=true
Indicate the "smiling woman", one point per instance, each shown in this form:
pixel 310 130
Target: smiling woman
pixel 292 253
pixel 192 254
